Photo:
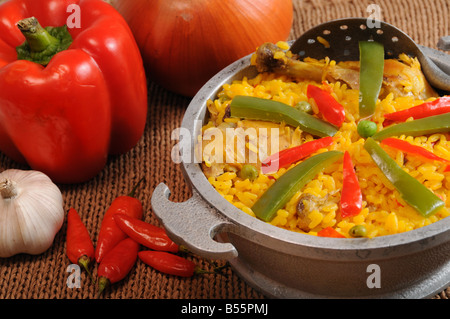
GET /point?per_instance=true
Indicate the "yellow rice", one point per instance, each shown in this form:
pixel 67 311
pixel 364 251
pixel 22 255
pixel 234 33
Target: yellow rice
pixel 384 212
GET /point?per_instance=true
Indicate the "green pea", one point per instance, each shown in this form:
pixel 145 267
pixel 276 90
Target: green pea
pixel 304 107
pixel 358 231
pixel 249 172
pixel 366 128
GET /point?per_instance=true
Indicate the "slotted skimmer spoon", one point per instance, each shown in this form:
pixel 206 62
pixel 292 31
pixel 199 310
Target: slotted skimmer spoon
pixel 341 44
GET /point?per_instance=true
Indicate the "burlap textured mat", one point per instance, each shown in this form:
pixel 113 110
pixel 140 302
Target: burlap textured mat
pixel 45 276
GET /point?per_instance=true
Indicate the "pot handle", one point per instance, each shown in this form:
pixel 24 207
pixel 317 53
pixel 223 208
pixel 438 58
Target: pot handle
pixel 192 223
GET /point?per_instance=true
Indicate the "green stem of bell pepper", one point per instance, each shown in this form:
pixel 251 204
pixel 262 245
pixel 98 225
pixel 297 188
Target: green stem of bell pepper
pixel 370 76
pixel 255 108
pixel 280 192
pixel 428 125
pixel 412 191
pixel 41 44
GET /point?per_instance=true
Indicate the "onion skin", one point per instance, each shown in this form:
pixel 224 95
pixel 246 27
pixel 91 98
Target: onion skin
pixel 184 43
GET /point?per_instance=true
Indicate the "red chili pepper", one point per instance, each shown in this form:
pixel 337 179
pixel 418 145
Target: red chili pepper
pixel 331 109
pixel 330 232
pixel 110 234
pixel 327 87
pixel 146 234
pixel 409 148
pixel 291 155
pixel 351 196
pixel 439 106
pixel 117 263
pixel 169 263
pixel 79 246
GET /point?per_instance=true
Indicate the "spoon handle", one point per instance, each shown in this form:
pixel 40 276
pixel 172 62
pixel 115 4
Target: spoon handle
pixel 444 43
pixel 441 59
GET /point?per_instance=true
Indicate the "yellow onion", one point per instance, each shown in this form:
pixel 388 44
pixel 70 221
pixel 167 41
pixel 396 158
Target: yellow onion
pixel 186 42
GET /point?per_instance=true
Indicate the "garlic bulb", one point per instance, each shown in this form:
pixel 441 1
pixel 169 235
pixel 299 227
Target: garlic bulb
pixel 31 212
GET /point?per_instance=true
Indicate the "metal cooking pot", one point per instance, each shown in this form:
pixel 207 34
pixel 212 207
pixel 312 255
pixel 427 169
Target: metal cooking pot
pixel 284 264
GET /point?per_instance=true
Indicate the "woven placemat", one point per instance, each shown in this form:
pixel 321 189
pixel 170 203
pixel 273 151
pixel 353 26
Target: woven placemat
pixel 45 276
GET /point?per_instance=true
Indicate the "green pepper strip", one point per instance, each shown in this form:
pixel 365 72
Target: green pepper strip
pixel 370 76
pixel 412 191
pixel 280 192
pixel 254 108
pixel 428 125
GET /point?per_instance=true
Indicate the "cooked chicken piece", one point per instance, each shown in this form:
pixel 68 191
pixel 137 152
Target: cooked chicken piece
pixel 405 78
pixel 217 169
pixel 401 77
pixel 252 144
pixel 267 62
pixel 306 204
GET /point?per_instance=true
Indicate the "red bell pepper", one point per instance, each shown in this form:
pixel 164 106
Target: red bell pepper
pixel 291 155
pixel 331 109
pixel 439 106
pixel 409 148
pixel 330 232
pixel 69 95
pixel 351 196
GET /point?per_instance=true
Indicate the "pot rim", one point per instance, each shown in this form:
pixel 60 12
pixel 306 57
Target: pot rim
pixel 254 229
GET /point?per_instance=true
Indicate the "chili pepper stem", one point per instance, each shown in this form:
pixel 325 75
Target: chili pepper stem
pixel 84 261
pixel 37 37
pixel 103 283
pixel 200 271
pixel 133 191
pixel 216 270
pixel 184 249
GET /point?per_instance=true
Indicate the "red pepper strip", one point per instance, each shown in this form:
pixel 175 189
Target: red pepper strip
pixel 327 87
pixel 110 234
pixel 447 169
pixel 330 232
pixel 405 146
pixel 436 107
pixel 79 246
pixel 351 197
pixel 146 234
pixel 291 155
pixel 331 109
pixel 117 263
pixel 169 263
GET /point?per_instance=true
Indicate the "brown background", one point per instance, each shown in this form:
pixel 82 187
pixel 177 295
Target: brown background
pixel 45 276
